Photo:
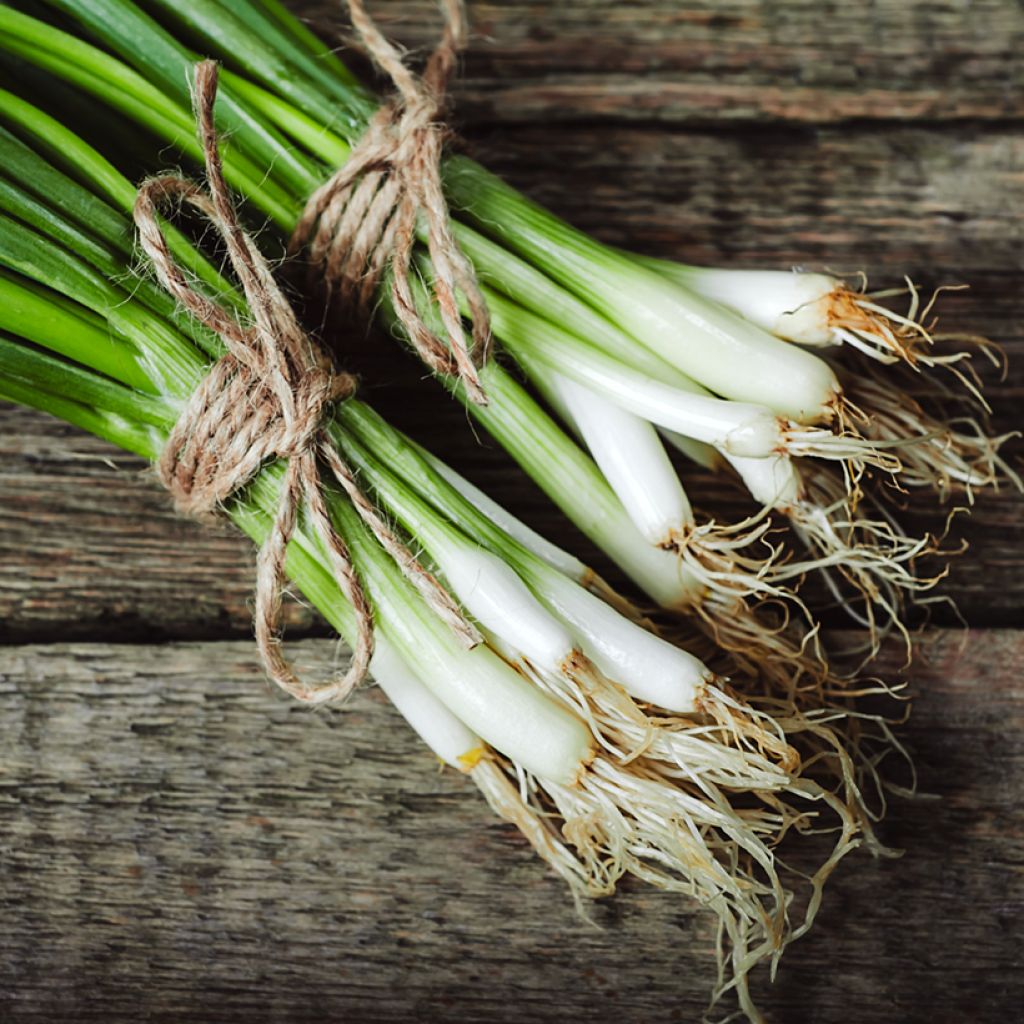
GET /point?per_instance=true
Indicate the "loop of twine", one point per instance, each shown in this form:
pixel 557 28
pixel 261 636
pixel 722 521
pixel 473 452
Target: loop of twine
pixel 265 399
pixel 362 220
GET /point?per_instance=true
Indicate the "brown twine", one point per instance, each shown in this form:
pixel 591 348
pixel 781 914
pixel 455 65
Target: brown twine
pixel 363 219
pixel 265 399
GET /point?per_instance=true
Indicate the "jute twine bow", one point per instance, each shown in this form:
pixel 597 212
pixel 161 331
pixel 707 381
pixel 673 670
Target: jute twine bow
pixel 363 219
pixel 265 399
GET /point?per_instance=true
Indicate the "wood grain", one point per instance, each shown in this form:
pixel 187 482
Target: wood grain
pixel 725 62
pixel 178 843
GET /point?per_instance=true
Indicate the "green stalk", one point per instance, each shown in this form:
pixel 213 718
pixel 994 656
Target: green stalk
pixel 121 89
pixel 321 143
pixel 307 42
pixel 238 32
pixel 83 162
pixel 140 423
pixel 398 453
pixel 45 318
pixel 44 44
pixel 27 388
pixel 397 470
pixel 49 186
pixel 20 205
pixel 241 35
pixel 418 517
pixel 48 222
pixel 259 47
pixel 180 368
pixel 30 367
pixel 534 291
pixel 168 65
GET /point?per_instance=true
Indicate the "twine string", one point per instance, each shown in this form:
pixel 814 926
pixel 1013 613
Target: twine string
pixel 265 399
pixel 362 221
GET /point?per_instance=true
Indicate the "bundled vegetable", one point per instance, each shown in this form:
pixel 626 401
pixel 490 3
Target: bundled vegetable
pixel 880 371
pixel 613 751
pixel 623 350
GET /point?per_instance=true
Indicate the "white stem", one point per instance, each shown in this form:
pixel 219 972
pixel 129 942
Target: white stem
pixel 700 452
pixel 507 710
pixel 632 458
pixel 790 304
pixel 494 595
pixel 718 347
pixel 647 667
pixel 774 482
pixel 446 735
pixel 815 310
pixel 575 483
pixel 501 517
pixel 659 573
pixel 681 405
pixel 736 427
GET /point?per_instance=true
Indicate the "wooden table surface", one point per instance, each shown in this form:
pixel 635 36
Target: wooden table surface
pixel 179 843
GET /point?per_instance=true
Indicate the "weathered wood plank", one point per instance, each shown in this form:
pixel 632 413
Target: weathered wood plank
pixel 177 842
pixel 84 526
pixel 742 60
pixel 931 203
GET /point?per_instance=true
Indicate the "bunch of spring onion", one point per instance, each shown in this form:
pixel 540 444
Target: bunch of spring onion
pixel 612 750
pixel 878 355
pixel 621 350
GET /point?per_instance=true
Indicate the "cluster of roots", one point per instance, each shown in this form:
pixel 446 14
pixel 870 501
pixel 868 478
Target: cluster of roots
pixel 733 562
pixel 778 744
pixel 953 452
pixel 938 428
pixel 861 323
pixel 871 568
pixel 932 435
pixel 698 804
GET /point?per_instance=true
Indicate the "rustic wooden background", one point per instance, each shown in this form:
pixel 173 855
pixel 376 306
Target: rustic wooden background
pixel 176 842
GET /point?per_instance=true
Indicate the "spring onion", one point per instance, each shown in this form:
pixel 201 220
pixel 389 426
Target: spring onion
pixel 274 94
pixel 690 794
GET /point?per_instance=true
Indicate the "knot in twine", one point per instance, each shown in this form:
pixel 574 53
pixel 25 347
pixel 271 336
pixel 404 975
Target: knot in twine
pixel 363 219
pixel 265 399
